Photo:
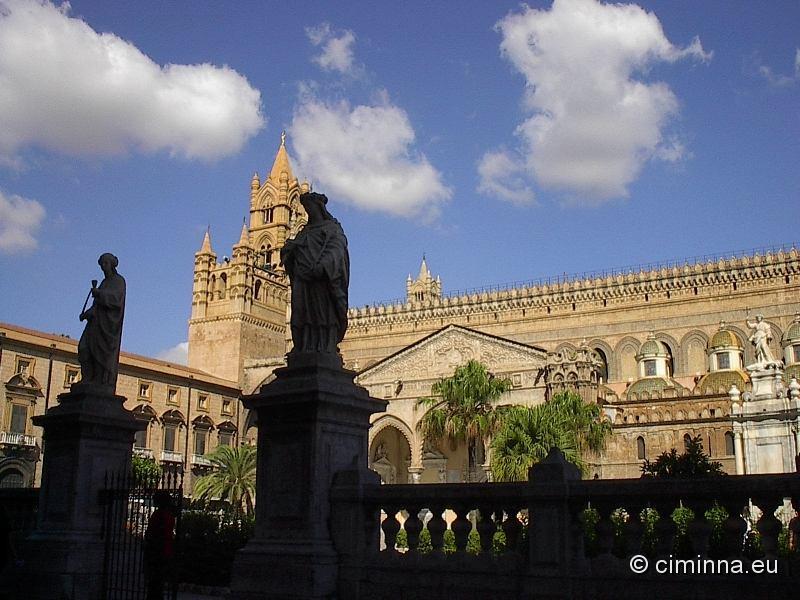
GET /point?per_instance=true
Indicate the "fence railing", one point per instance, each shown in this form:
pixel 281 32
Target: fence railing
pixel 16 439
pixel 561 532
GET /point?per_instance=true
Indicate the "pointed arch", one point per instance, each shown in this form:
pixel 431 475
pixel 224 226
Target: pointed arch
pixel 693 357
pixel 625 352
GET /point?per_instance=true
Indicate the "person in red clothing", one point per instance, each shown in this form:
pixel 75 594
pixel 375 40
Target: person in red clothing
pixel 159 545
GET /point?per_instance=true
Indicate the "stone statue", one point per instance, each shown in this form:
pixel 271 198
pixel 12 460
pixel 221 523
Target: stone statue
pixel 318 266
pixel 760 338
pixel 98 350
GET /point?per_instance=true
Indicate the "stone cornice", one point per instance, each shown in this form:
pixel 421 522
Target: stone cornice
pixel 243 317
pixel 613 290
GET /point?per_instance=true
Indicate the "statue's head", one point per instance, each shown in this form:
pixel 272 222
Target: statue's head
pixel 314 204
pixel 108 262
pixel 759 317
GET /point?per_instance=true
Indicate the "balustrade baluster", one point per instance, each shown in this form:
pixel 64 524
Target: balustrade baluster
pixel 735 527
pixel 768 526
pixel 486 528
pixel 372 528
pixel 699 530
pixel 390 527
pixel 437 526
pixel 413 526
pixel 512 528
pixel 665 529
pixel 461 527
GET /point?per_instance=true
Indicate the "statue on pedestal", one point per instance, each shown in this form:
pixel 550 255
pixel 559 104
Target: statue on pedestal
pixel 760 339
pixel 318 266
pixel 98 349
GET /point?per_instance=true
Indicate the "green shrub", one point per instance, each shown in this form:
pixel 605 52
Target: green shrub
pixel 401 541
pixel 474 542
pixel 650 518
pixel 716 517
pixel 682 544
pixel 207 544
pixel 589 519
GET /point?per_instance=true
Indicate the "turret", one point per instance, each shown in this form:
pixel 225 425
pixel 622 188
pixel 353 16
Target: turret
pixel 204 260
pixel 424 288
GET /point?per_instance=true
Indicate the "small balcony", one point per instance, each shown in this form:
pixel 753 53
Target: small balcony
pixel 143 452
pixel 199 460
pixel 17 439
pixel 171 457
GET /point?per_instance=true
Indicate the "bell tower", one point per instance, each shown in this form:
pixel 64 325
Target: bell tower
pixel 239 305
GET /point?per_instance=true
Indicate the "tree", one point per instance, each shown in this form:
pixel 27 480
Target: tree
pixel 527 433
pixel 461 408
pixel 233 478
pixel 145 471
pixel 692 463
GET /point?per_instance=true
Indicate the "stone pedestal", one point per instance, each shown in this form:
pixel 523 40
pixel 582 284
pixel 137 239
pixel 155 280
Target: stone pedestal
pixel 86 435
pixel 764 423
pixel 313 421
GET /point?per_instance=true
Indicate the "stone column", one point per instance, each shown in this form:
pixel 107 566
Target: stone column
pixel 313 422
pixel 415 474
pixel 738 449
pixel 87 434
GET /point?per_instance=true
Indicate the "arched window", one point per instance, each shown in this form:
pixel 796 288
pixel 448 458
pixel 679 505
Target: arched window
pixel 212 287
pixel 603 371
pixel 257 290
pixel 269 214
pixel 729 447
pixel 670 362
pixel 223 285
pixel 640 448
pixel 687 439
pixel 12 479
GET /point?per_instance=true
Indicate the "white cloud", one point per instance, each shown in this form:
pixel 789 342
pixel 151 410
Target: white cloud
pixel 178 354
pixel 778 80
pixel 20 219
pixel 364 155
pixel 65 87
pixel 501 175
pixel 336 49
pixel 592 124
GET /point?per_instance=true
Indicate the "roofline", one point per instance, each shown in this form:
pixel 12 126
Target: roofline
pixel 128 360
pixel 440 330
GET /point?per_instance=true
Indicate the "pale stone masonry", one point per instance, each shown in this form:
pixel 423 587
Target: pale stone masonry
pixel 191 407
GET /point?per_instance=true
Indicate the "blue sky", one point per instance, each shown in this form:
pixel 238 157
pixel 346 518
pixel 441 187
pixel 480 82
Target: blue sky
pixel 506 142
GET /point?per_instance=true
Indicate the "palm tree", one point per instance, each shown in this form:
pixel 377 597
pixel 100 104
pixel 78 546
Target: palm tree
pixel 461 408
pixel 233 478
pixel 527 433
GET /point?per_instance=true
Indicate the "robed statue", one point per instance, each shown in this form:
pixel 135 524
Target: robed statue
pixel 98 350
pixel 760 339
pixel 318 266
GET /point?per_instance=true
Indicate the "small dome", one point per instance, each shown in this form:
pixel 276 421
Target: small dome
pixel 724 339
pixel 652 347
pixel 653 385
pixel 719 382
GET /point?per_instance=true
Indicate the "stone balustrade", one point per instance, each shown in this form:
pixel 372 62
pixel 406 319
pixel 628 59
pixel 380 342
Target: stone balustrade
pixel 169 456
pixel 16 439
pixel 557 535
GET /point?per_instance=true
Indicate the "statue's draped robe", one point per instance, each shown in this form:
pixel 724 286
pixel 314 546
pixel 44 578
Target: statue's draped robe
pixel 101 339
pixel 319 300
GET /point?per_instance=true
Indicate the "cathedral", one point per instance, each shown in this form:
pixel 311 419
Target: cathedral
pixel 664 350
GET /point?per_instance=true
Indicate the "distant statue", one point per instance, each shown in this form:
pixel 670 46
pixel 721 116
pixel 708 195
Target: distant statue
pixel 98 350
pixel 760 338
pixel 318 266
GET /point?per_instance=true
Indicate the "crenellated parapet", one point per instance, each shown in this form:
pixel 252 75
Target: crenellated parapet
pixel 615 289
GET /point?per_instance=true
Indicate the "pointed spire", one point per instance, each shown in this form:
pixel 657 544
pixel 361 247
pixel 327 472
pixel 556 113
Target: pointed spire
pixel 205 248
pixel 244 239
pixel 255 182
pixel 281 163
pixel 423 270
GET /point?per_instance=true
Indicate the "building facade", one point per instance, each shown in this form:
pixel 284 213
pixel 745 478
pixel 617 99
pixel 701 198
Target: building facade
pixel 659 347
pixel 184 413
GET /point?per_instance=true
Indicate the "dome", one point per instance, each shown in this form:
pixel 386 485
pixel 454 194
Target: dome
pixel 653 385
pixel 652 347
pixel 719 382
pixel 724 339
